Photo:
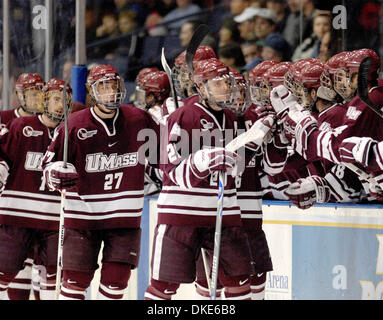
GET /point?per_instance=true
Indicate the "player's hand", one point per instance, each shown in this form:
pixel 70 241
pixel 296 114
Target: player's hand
pixel 307 191
pixel 376 191
pixel 59 178
pixel 282 101
pixel 266 125
pixel 4 172
pixel 206 161
pixel 356 149
pixel 169 105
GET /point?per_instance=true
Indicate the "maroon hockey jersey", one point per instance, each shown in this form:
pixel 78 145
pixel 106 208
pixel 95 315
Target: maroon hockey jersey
pixel 186 199
pixel 8 115
pixel 111 167
pixel 359 120
pixel 26 201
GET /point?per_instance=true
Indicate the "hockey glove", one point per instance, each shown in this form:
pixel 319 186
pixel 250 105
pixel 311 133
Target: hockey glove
pixel 355 149
pixel 282 101
pixel 4 172
pixel 206 161
pixel 58 178
pixel 305 192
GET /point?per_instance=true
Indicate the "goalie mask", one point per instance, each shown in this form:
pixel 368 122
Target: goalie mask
pixel 153 89
pixel 242 99
pixel 106 86
pixel 255 79
pixel 183 84
pixel 214 83
pixel 29 91
pixel 346 76
pixel 53 99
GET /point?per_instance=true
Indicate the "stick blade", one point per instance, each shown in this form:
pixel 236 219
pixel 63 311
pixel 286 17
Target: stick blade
pixel 195 41
pixel 165 63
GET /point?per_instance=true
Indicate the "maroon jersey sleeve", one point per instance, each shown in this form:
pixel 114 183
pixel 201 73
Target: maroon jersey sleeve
pixel 359 121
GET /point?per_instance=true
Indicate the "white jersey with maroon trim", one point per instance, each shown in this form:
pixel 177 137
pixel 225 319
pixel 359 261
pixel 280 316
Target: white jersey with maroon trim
pixel 26 201
pixel 186 199
pixel 111 167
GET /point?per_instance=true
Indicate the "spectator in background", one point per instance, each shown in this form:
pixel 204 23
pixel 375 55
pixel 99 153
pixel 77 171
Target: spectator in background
pixel 231 55
pixel 265 23
pixel 293 31
pixel 229 32
pixel 184 9
pixel 310 47
pixel 258 3
pixel 127 21
pixel 187 31
pixel 131 5
pixel 246 23
pixel 109 26
pixel 279 7
pixel 252 50
pixel 276 48
pixel 238 6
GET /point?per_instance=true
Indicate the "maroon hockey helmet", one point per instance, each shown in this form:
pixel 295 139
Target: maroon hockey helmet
pixel 242 100
pixel 353 61
pixel 292 74
pixel 29 80
pixel 202 53
pixel 209 69
pixel 309 75
pixel 100 75
pixel 255 79
pixel 155 83
pixel 52 85
pixel 24 83
pixel 214 71
pixel 143 72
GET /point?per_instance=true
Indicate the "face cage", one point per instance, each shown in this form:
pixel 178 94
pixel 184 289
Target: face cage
pixel 181 81
pixel 140 98
pixel 342 84
pixel 291 85
pixel 223 101
pixel 118 96
pixel 57 117
pixel 265 89
pixel 255 94
pixel 242 99
pixel 23 103
pixel 303 96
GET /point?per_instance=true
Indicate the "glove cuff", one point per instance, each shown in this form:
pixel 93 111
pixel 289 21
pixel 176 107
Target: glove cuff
pixel 322 189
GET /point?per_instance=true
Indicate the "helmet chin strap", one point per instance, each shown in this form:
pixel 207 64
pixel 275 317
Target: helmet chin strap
pixel 110 110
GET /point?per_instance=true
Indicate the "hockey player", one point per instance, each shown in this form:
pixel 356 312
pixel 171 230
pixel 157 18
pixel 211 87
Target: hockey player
pixel 339 184
pixel 249 191
pixel 359 120
pixel 29 92
pixel 104 179
pixel 152 90
pixel 187 204
pixel 30 211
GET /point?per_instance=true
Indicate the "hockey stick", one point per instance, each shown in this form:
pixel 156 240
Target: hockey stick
pixel 362 175
pixel 63 197
pixel 254 134
pixel 169 73
pixel 206 267
pixel 364 69
pixel 194 43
